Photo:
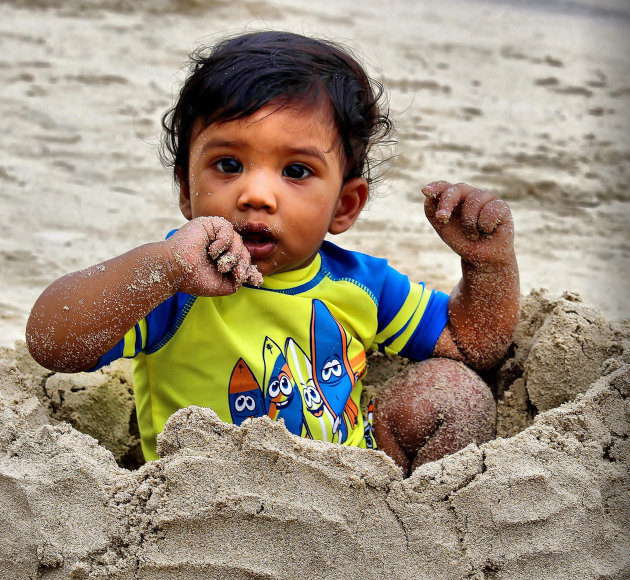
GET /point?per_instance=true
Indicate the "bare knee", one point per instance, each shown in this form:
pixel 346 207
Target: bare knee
pixel 433 408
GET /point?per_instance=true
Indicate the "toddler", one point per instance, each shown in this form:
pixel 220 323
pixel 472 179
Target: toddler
pixel 248 310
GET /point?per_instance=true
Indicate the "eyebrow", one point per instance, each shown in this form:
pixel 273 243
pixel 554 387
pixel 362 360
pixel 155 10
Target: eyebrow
pixel 307 151
pixel 214 143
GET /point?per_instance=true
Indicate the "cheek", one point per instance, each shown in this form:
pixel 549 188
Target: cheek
pixel 201 202
pixel 310 234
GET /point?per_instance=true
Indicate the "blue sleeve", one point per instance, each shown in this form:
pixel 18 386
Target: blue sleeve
pixel 152 332
pixel 410 316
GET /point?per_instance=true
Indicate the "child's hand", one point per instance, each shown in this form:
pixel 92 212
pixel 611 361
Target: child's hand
pixel 210 259
pixel 475 223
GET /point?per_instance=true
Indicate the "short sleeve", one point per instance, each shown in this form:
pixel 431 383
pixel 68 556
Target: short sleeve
pixel 410 317
pixel 152 332
pixel 415 323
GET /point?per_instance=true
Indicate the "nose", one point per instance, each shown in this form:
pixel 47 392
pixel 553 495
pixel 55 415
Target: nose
pixel 257 193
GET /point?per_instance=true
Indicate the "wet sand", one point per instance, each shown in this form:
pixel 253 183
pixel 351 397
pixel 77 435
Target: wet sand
pixel 547 499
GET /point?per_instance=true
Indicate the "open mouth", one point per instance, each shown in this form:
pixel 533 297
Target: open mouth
pixel 281 404
pixel 258 240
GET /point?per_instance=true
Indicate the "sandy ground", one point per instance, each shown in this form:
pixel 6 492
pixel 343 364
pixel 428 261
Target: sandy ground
pixel 549 498
pixel 530 101
pixel 528 98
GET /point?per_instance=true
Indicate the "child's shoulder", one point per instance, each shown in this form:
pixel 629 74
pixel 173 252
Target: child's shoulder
pixel 365 270
pixel 338 260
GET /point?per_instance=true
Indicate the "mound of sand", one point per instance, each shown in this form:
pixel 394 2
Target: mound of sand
pixel 552 500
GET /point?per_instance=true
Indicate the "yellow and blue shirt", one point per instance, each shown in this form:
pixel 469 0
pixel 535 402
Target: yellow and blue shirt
pixel 294 349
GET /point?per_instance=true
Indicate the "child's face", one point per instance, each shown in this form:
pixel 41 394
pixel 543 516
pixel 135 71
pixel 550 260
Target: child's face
pixel 277 176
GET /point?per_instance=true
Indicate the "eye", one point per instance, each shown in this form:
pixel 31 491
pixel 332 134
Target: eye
pixel 285 385
pixel 240 403
pixel 250 403
pixel 332 368
pixel 296 171
pixel 311 396
pixel 274 388
pixel 229 165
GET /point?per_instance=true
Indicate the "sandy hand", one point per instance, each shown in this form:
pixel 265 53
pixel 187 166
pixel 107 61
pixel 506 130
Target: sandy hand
pixel 475 223
pixel 210 259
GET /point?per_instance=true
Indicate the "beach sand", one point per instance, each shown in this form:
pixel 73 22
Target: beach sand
pixel 549 498
pixel 529 99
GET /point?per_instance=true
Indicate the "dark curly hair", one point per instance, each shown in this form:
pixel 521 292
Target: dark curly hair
pixel 240 75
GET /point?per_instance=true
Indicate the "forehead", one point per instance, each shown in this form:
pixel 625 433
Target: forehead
pixel 289 121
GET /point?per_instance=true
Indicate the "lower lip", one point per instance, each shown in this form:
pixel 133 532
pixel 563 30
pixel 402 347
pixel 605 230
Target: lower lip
pixel 260 251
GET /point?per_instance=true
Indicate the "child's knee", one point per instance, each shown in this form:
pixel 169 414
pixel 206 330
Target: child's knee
pixel 433 408
pixel 435 385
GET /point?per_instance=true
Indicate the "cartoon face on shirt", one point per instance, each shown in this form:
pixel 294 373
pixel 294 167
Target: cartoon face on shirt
pixel 332 372
pixel 302 372
pixel 282 397
pixel 313 400
pixel 245 397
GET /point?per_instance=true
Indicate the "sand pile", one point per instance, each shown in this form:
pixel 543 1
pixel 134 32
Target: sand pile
pixel 257 502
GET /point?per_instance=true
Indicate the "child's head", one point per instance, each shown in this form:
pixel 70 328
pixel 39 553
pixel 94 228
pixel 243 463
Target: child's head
pixel 272 132
pixel 241 75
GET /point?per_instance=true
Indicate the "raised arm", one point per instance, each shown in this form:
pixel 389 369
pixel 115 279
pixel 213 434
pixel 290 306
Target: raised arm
pixel 84 314
pixel 484 306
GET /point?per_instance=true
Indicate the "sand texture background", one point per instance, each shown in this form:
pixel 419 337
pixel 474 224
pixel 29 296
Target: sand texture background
pixel 528 98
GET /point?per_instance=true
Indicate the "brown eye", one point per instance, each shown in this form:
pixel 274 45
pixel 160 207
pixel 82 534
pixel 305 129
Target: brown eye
pixel 229 165
pixel 296 171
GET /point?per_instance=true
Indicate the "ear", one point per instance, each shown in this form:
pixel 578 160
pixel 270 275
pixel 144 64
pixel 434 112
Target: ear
pixel 353 196
pixel 184 195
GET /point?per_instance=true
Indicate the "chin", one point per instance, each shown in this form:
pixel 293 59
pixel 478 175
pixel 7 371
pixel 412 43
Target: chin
pixel 266 269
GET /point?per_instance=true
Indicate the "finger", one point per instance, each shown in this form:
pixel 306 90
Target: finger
pixel 451 197
pixel 254 277
pixel 435 188
pixel 230 259
pixel 430 206
pixel 221 234
pixel 240 271
pixel 471 208
pixel 493 214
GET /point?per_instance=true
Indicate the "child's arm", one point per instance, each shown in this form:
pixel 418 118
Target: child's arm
pixel 484 306
pixel 82 315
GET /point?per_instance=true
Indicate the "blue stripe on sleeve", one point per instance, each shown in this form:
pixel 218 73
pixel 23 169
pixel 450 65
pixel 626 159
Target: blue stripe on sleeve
pixel 392 338
pixel 398 287
pixel 161 325
pixel 138 345
pixel 110 356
